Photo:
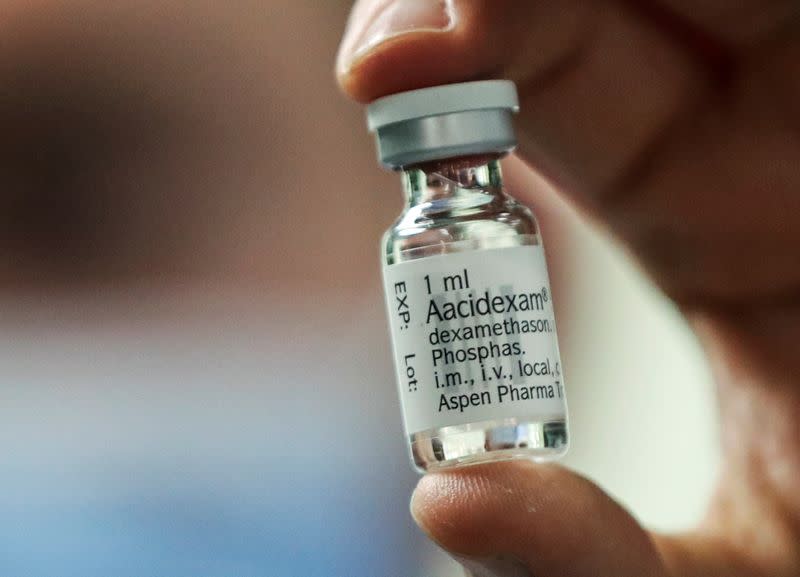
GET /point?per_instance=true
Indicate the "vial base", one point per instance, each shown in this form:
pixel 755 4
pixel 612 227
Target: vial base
pixel 537 440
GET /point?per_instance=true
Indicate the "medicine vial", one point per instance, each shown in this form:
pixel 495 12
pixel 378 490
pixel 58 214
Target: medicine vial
pixel 466 283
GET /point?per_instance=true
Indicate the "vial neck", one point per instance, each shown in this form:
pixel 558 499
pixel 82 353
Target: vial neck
pixel 453 180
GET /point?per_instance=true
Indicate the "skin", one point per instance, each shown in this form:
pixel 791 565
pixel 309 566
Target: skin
pixel 676 125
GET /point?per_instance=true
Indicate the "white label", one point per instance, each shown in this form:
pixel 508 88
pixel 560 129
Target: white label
pixel 474 338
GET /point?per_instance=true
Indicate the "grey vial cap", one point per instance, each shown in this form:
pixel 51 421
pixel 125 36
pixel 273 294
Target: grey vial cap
pixel 444 122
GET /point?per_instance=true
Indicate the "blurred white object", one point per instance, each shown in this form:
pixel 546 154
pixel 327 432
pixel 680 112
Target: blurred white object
pixel 640 393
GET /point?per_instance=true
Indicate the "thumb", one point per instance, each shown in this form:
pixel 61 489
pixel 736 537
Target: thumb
pixel 517 518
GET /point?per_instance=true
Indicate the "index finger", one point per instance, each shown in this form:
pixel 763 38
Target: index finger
pixel 620 107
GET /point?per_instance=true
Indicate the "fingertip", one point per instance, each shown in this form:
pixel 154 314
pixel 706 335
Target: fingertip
pixel 542 514
pixel 471 45
pixel 407 62
pixel 459 508
pixel 515 39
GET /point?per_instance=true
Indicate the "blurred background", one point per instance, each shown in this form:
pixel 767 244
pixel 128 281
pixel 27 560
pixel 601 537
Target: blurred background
pixel 195 377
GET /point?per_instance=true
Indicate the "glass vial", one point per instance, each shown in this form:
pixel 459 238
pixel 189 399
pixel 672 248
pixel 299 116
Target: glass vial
pixel 466 285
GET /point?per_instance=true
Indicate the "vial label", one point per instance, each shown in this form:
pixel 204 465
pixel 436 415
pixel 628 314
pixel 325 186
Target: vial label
pixel 474 338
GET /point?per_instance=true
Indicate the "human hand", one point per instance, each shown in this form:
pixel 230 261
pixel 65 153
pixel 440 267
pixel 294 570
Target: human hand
pixel 676 124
